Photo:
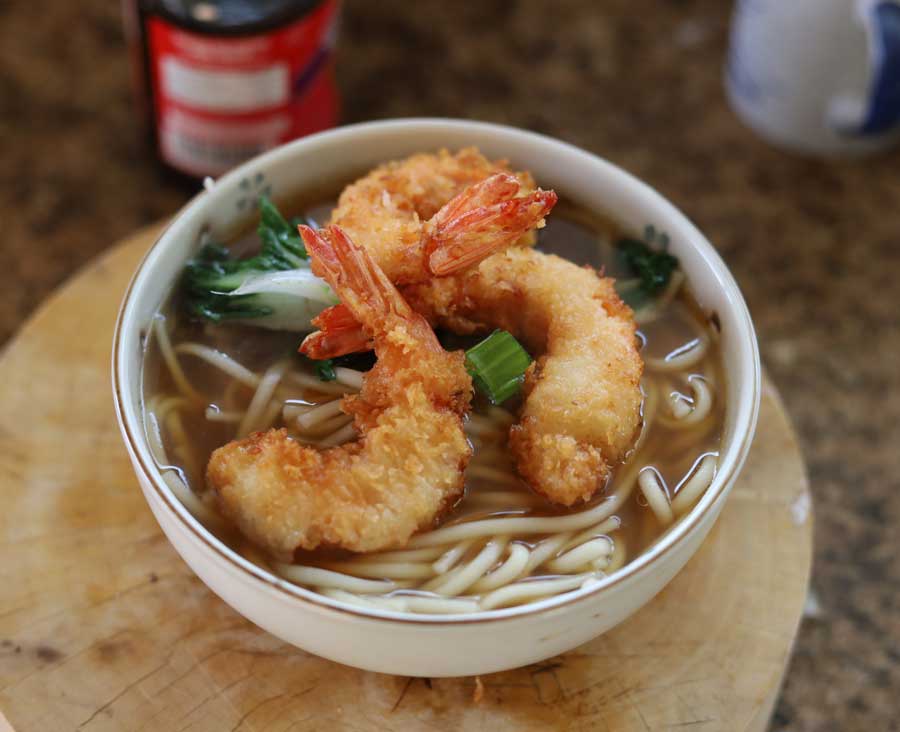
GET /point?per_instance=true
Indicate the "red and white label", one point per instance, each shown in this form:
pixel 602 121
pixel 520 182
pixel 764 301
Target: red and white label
pixel 219 101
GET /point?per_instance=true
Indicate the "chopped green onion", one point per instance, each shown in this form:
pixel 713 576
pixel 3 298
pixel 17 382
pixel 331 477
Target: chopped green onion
pixel 498 366
pixel 325 370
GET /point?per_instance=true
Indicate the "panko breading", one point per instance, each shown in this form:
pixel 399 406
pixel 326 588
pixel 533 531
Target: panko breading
pixel 582 409
pixel 389 210
pixel 407 465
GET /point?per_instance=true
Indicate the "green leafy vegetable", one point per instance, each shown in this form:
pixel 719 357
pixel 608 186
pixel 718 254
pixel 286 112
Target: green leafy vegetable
pixel 651 269
pixel 498 366
pixel 325 369
pixel 280 238
pixel 274 289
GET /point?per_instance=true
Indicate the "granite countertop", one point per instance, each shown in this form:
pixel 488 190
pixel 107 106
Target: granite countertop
pixel 813 244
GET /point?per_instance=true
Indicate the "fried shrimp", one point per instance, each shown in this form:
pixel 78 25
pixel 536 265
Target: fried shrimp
pixel 582 407
pixel 406 208
pixel 407 465
pixel 429 215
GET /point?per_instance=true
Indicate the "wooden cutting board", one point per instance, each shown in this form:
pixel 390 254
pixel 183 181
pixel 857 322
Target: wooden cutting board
pixel 103 627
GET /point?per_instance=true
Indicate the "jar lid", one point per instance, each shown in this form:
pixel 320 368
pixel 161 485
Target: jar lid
pixel 231 17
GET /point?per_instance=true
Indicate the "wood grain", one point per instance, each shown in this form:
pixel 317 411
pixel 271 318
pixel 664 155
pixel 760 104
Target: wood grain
pixel 102 627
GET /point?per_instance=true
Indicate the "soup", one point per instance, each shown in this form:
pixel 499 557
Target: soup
pixel 501 544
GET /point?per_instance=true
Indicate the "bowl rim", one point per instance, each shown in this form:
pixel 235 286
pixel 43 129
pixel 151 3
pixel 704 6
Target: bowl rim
pixel 745 422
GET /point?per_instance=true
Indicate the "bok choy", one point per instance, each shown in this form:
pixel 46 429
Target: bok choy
pixel 274 289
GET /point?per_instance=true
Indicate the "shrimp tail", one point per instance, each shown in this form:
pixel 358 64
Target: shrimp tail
pixel 472 229
pixel 339 334
pixel 367 294
pixel 492 190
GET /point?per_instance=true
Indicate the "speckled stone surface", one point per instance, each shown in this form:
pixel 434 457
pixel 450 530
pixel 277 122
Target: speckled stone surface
pixel 813 244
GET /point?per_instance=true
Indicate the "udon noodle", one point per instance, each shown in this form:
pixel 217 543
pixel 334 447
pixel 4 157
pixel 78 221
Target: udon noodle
pixel 502 545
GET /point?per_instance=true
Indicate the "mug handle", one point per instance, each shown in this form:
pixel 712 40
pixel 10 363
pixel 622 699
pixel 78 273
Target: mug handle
pixel 881 20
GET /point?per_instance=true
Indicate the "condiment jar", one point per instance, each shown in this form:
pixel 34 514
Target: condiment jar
pixel 220 81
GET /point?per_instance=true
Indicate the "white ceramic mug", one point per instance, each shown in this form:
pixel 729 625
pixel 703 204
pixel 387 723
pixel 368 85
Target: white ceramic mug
pixel 817 76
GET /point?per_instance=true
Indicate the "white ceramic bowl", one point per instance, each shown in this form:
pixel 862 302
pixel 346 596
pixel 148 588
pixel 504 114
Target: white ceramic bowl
pixel 401 643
